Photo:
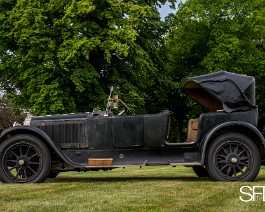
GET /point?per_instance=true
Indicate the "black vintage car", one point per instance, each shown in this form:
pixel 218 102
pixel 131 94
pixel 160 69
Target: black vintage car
pixel 223 143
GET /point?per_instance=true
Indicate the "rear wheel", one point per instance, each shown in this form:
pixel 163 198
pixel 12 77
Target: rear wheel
pixel 24 159
pixel 233 157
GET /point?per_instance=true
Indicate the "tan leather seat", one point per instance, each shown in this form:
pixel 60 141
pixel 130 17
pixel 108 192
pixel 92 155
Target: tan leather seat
pixel 192 130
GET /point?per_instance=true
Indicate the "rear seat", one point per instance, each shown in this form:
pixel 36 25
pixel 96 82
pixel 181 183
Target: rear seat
pixel 192 130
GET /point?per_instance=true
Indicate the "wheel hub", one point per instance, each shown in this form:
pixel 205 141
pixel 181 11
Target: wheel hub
pixel 233 160
pixel 21 162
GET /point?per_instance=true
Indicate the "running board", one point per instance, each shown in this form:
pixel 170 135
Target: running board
pixel 186 164
pixel 108 162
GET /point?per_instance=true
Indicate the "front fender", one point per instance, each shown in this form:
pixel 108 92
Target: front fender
pixel 233 126
pixel 40 134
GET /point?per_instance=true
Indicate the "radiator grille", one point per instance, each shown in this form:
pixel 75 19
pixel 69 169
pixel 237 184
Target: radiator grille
pixel 65 133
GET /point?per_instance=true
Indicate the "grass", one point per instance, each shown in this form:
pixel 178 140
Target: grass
pixel 130 189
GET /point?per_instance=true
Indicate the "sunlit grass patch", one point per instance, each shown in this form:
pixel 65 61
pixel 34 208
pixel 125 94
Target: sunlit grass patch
pixel 130 189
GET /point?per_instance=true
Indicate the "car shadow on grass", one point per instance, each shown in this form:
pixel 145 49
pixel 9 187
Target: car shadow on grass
pixel 77 178
pixel 127 179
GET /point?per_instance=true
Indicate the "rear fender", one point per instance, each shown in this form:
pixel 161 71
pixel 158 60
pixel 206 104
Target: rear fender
pixel 243 128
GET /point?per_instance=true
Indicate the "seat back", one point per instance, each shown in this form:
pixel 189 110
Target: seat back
pixel 192 130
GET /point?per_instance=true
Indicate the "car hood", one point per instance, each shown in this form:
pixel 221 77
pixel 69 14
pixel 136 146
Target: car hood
pixel 222 91
pixel 35 119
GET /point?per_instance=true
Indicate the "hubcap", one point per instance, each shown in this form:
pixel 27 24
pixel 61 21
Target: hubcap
pixel 233 160
pixel 21 162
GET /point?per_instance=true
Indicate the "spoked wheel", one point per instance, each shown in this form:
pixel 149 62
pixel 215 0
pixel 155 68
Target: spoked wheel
pixel 24 159
pixel 233 157
pixel 200 171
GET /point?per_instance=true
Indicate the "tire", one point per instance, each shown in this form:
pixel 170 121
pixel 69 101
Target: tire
pixel 233 157
pixel 24 159
pixel 200 171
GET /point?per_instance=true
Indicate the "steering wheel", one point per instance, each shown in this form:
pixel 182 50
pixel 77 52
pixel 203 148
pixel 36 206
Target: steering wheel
pixel 125 107
pixel 113 102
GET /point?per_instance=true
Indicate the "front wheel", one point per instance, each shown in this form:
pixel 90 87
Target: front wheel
pixel 24 159
pixel 233 157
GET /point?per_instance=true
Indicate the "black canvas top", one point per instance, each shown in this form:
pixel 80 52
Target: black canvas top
pixel 222 91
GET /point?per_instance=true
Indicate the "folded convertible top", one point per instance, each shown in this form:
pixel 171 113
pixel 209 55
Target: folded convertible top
pixel 222 91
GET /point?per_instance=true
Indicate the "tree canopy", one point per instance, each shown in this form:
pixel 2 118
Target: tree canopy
pixel 208 36
pixel 62 56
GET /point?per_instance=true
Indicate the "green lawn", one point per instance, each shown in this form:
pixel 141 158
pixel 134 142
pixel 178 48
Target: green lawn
pixel 131 189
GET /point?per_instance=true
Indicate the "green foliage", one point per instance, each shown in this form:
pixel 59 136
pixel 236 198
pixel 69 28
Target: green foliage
pixel 63 56
pixel 208 36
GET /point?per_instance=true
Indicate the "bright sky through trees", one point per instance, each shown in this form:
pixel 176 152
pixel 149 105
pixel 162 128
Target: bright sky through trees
pixel 165 10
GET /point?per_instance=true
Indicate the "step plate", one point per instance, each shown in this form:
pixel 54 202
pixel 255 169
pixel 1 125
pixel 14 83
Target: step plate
pixel 99 162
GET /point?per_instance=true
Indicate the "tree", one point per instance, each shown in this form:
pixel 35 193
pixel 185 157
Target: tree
pixel 9 114
pixel 62 56
pixel 208 36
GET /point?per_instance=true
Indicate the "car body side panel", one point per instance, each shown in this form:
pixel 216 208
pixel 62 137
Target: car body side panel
pixel 107 132
pixel 128 131
pixel 99 133
pixel 207 121
pixel 156 129
pixel 140 142
pixel 131 157
pixel 75 139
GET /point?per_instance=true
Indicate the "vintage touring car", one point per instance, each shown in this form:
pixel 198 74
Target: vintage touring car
pixel 223 143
